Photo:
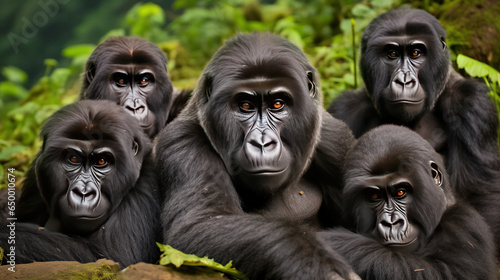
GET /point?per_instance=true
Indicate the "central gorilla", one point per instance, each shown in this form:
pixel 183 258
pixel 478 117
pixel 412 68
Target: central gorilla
pixel 256 162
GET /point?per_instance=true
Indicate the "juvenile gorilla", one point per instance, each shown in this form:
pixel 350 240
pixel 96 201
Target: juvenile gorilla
pixel 133 73
pixel 409 81
pixel 251 161
pixel 90 189
pixel 403 218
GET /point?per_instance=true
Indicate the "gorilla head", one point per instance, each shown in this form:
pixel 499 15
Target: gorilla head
pixel 256 92
pixel 131 72
pixel 91 157
pixel 404 63
pixel 396 187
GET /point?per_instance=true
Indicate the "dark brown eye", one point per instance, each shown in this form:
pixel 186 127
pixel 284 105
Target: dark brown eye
pixel 246 106
pixel 73 159
pixel 278 104
pixel 374 196
pixel 101 161
pixel 392 54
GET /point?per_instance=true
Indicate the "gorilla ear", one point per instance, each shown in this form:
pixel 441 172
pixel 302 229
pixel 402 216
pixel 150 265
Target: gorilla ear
pixel 90 71
pixel 436 174
pixel 310 84
pixel 443 43
pixel 135 148
pixel 207 85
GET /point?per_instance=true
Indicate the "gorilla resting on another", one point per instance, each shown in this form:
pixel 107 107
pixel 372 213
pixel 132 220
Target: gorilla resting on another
pixel 132 72
pixel 91 190
pixel 409 81
pixel 253 162
pixel 403 218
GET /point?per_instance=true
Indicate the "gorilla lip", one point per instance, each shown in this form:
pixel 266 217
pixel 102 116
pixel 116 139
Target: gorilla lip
pixel 406 101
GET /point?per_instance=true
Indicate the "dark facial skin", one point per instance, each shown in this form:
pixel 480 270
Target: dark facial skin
pixel 83 208
pixel 389 196
pixel 404 97
pixel 132 84
pixel 131 72
pixel 262 106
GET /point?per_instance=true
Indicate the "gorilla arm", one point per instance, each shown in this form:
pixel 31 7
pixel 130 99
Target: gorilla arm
pixel 461 248
pixel 203 216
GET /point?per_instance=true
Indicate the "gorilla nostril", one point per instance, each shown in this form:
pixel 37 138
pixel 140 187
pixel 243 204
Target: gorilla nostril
pixel 386 224
pixel 140 109
pixel 269 144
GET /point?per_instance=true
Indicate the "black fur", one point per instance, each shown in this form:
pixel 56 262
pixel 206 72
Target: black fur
pixel 460 120
pixel 454 241
pixel 208 211
pixel 128 236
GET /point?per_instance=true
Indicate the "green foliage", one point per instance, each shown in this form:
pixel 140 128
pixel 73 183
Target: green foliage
pixel 490 75
pixel 178 259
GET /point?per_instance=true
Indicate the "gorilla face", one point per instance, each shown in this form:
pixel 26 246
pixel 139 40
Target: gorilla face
pixel 131 72
pixel 404 63
pixel 87 164
pixel 254 108
pixel 132 84
pixel 394 188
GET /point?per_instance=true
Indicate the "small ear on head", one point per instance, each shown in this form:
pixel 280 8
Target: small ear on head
pixel 310 84
pixel 135 147
pixel 90 70
pixel 443 43
pixel 436 174
pixel 207 85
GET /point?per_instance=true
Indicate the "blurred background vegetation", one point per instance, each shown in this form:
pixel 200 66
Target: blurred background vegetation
pixel 44 45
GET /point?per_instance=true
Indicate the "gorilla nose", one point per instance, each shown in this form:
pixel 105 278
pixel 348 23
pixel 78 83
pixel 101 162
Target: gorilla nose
pixel 405 80
pixel 135 106
pixel 263 143
pixel 85 195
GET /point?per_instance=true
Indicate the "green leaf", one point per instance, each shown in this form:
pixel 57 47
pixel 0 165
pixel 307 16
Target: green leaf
pixel 78 50
pixel 178 258
pixel 477 69
pixel 14 74
pixel 50 62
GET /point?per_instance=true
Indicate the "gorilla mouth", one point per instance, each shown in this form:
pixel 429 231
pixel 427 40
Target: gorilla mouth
pixel 406 101
pixel 266 171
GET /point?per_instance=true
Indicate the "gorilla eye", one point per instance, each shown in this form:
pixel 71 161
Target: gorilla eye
pixel 120 81
pixel 392 54
pixel 278 104
pixel 373 195
pixel 101 161
pixel 73 159
pixel 144 81
pixel 415 53
pixel 400 193
pixel 246 106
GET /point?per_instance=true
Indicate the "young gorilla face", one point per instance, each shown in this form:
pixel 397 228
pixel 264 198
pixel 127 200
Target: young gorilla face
pixel 252 114
pixel 131 72
pixel 394 188
pixel 88 164
pixel 395 65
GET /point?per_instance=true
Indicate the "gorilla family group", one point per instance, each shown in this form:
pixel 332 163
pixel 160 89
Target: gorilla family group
pixel 398 180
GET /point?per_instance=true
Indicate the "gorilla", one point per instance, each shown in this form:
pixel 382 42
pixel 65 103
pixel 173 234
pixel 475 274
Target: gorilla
pixel 409 81
pixel 252 165
pixel 133 73
pixel 91 187
pixel 401 215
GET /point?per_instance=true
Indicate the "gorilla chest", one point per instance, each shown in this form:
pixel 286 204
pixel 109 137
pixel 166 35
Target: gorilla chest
pixel 431 128
pixel 298 203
